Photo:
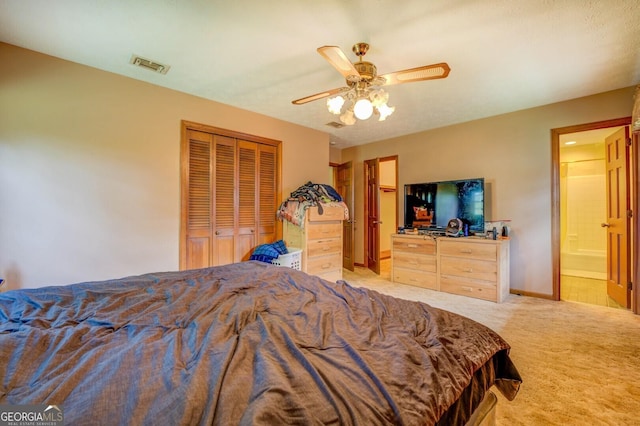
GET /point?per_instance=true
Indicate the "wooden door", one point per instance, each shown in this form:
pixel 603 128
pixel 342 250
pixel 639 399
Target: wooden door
pixel 196 200
pixel 372 212
pixel 247 209
pixel 618 217
pixel 225 200
pixel 268 195
pixel 344 186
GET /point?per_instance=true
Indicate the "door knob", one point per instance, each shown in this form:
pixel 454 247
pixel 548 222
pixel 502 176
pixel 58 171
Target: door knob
pixel 605 225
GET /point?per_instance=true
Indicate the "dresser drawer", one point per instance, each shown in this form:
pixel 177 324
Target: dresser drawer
pixel 414 245
pixel 329 213
pixel 322 264
pixel 324 230
pixel 468 287
pixel 470 268
pixel 324 246
pixel 419 262
pixel 469 250
pixel 413 277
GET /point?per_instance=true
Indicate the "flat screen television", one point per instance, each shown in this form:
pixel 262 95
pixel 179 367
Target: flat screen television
pixel 431 205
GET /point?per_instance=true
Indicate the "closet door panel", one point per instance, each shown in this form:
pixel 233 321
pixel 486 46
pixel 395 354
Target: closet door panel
pixel 224 200
pixel 247 155
pixel 198 252
pixel 197 196
pixel 267 193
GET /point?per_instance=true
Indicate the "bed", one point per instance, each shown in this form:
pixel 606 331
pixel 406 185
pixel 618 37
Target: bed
pixel 247 343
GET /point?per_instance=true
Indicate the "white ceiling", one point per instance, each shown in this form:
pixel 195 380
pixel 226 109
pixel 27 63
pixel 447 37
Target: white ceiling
pixel 259 55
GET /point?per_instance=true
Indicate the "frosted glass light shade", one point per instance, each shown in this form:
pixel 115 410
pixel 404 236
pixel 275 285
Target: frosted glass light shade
pixel 385 110
pixel 335 104
pixel 348 118
pixel 363 109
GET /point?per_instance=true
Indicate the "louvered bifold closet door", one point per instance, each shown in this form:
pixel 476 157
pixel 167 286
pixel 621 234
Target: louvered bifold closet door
pixel 230 187
pixel 224 200
pixel 247 208
pixel 198 200
pixel 268 195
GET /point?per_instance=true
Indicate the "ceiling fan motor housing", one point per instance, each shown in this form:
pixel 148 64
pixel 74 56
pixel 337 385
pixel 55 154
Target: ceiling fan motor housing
pixel 367 70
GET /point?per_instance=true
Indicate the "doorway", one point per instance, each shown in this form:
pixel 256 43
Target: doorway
pixel 583 217
pixel 565 237
pixel 341 178
pixel 381 207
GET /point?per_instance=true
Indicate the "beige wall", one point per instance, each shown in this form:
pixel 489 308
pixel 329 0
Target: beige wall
pixel 335 155
pixel 513 153
pixel 89 168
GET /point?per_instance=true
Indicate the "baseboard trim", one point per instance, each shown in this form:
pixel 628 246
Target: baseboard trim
pixel 531 294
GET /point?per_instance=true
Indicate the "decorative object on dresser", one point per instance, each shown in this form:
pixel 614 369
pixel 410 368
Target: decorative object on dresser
pixel 313 216
pixel 474 267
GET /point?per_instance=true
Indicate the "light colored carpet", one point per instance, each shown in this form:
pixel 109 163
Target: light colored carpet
pixel 580 363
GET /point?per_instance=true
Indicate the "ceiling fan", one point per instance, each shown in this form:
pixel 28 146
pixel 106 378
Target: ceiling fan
pixel 364 84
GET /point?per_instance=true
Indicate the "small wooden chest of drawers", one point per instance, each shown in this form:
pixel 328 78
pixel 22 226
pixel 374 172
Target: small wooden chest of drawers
pixel 320 240
pixel 413 260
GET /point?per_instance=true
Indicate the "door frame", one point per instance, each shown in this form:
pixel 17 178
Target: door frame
pixel 634 169
pixel 366 203
pixel 348 241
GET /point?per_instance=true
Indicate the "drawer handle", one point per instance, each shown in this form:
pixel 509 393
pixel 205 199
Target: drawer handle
pixel 466 251
pixel 412 245
pixel 326 248
pixel 326 266
pixel 468 270
pixel 469 289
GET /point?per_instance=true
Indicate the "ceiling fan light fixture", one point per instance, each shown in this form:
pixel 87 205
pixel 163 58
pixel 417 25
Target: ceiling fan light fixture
pixel 348 118
pixel 363 90
pixel 385 110
pixel 378 97
pixel 335 104
pixel 363 109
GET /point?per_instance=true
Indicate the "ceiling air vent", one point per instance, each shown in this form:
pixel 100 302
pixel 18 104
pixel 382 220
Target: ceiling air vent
pixel 335 124
pixel 150 65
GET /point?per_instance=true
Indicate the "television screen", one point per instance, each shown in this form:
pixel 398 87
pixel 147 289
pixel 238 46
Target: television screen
pixel 431 205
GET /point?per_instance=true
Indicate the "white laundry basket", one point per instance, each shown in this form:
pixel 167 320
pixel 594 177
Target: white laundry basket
pixel 292 260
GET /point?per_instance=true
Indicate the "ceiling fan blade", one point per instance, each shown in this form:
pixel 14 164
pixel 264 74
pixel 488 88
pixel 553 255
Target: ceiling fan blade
pixel 336 57
pixel 427 72
pixel 320 95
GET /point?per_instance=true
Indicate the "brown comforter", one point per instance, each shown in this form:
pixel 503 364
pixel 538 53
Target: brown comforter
pixel 248 343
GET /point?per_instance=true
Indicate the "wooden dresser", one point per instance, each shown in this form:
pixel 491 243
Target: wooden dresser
pixel 320 240
pixel 474 267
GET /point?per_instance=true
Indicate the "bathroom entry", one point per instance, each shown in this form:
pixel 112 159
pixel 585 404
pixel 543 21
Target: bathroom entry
pixel 593 217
